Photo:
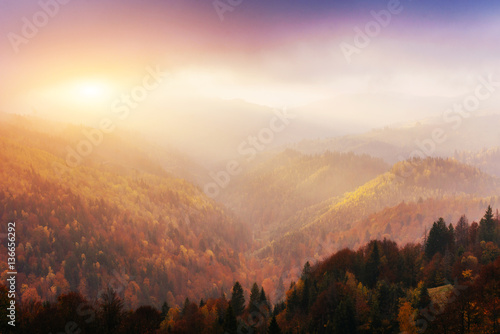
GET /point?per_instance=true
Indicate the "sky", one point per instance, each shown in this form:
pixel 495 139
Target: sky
pixel 87 53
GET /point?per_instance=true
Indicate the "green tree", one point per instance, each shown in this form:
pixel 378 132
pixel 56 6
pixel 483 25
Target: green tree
pixel 344 318
pixel 111 310
pixel 451 238
pixel 372 270
pixel 237 299
pixel 274 328
pixel 438 239
pixel 230 321
pixel 306 271
pixel 254 304
pixel 423 297
pixel 462 232
pixel 265 306
pixel 164 310
pixel 487 226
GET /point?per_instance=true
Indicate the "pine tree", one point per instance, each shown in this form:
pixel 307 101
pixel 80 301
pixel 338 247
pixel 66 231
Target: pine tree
pixel 263 301
pixel 111 310
pixel 274 328
pixel 304 303
pixel 438 239
pixel 423 297
pixel 230 321
pixel 186 305
pixel 462 232
pixel 292 304
pixel 344 318
pixel 237 299
pixel 306 271
pixel 164 310
pixel 254 304
pixel 451 238
pixel 487 226
pixel 372 265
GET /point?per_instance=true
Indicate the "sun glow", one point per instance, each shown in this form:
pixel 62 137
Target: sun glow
pixel 91 90
pixel 76 99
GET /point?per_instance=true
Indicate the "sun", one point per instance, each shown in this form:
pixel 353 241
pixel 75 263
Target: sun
pixel 91 89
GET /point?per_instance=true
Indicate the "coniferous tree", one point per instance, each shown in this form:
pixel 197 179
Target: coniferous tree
pixel 372 265
pixel 254 304
pixel 111 310
pixel 292 304
pixel 186 305
pixel 451 238
pixel 462 233
pixel 305 300
pixel 306 271
pixel 423 297
pixel 344 318
pixel 264 303
pixel 237 299
pixel 487 226
pixel 164 310
pixel 274 328
pixel 438 239
pixel 230 321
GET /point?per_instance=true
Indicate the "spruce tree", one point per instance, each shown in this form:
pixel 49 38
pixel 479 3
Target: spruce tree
pixel 439 237
pixel 254 303
pixel 462 232
pixel 372 265
pixel 274 328
pixel 230 321
pixel 487 226
pixel 237 299
pixel 344 318
pixel 423 297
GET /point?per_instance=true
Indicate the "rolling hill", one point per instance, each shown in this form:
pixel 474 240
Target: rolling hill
pixel 116 216
pixel 276 189
pixel 443 185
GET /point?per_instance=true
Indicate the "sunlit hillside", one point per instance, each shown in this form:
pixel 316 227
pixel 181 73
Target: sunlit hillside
pixel 83 226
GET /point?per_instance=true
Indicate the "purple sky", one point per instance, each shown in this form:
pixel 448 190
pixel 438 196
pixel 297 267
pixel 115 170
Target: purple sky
pixel 265 52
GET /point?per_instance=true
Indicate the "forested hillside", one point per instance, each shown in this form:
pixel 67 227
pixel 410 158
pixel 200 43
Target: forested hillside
pixel 116 217
pixel 447 284
pixel 325 227
pixel 488 160
pixel 276 189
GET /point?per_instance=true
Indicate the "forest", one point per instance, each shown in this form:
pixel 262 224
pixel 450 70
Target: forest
pixel 450 283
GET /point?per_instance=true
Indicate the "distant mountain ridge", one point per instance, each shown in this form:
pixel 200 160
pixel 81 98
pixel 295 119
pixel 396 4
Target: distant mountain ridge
pixel 324 227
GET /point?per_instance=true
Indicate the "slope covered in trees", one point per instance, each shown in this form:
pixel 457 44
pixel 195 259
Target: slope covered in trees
pixel 488 160
pixel 448 284
pixel 323 228
pixel 116 218
pixel 276 189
